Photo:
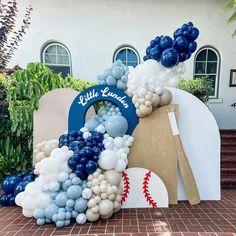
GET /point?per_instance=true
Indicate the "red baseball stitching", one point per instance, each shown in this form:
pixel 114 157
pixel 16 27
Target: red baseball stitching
pixel 125 193
pixel 146 190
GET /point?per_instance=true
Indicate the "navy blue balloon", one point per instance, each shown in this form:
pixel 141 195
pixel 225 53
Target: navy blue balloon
pixel 29 178
pixel 169 57
pixel 183 56
pixel 74 145
pixel 186 34
pixel 101 146
pixel 178 33
pixel 192 46
pixel 95 158
pixel 11 199
pixel 63 138
pixel 72 163
pixel 80 167
pixel 4 200
pixel 96 151
pixel 90 167
pixel 82 152
pixel 158 39
pixel 73 133
pixel 81 175
pixel 181 44
pixel 156 53
pixel 20 187
pixel 9 183
pixel 190 23
pixel 83 160
pixel 148 49
pixel 194 33
pixel 146 57
pixel 152 43
pixel 184 27
pixel 166 42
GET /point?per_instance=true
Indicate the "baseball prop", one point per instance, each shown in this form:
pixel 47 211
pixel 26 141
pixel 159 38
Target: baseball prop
pixel 143 189
pixel 184 167
pixel 154 149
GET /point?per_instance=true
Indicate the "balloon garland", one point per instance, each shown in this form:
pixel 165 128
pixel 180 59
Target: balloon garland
pixel 79 175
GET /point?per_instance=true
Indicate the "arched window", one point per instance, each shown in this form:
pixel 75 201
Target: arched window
pixel 207 64
pixel 57 58
pixel 128 55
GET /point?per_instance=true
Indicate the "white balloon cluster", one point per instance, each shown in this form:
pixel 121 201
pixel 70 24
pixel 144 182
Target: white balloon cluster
pixel 146 99
pixel 115 155
pixel 44 149
pixel 155 75
pixel 48 169
pixel 107 193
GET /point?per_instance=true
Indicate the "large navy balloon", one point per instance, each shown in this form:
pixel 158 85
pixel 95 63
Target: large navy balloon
pixel 169 57
pixel 9 183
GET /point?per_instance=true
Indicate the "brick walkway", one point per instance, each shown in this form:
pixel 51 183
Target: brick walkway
pixel 208 218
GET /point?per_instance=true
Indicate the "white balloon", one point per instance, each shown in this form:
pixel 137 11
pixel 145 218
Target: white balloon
pixel 19 198
pixel 27 213
pixel 107 159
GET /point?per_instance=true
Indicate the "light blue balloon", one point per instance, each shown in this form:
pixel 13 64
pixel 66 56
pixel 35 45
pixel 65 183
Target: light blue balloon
pixel 60 223
pixel 103 82
pixel 127 72
pixel 110 80
pixel 64 187
pixel 117 109
pixel 39 213
pixel 54 218
pixel 68 215
pixel 48 220
pixel 61 199
pixel 74 214
pixel 41 221
pixel 118 62
pixel 76 181
pixel 102 111
pixel 107 72
pixel 117 72
pixel 84 184
pixel 80 205
pixel 91 124
pixel 61 216
pixel 104 117
pixel 68 183
pixel 70 203
pixel 53 195
pixel 72 175
pixel 119 113
pixel 74 192
pixel 113 113
pixel 99 77
pixel 62 209
pixel 69 209
pixel 109 113
pixel 116 126
pixel 121 85
pixel 66 222
pixel 51 210
pixel 124 79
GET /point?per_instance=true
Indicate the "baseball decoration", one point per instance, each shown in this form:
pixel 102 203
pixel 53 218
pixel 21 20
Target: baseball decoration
pixel 143 189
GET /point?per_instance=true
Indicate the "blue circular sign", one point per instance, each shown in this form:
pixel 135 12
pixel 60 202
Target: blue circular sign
pixel 98 93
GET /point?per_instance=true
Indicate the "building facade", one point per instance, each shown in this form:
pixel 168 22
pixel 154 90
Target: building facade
pixel 83 37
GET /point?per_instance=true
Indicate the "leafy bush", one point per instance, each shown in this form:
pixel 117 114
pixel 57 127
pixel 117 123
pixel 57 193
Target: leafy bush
pixel 231 6
pixel 199 87
pixel 20 97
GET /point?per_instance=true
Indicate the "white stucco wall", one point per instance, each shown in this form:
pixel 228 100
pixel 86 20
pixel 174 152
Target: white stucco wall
pixel 93 29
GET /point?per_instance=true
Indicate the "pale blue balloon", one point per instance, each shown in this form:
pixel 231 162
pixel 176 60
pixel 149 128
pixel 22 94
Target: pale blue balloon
pixel 84 184
pixel 76 181
pixel 41 221
pixel 74 214
pixel 61 216
pixel 103 82
pixel 113 113
pixel 91 124
pixel 69 209
pixel 107 72
pixel 117 72
pixel 60 223
pixel 124 78
pixel 53 195
pixel 39 213
pixel 66 222
pixel 104 117
pixel 48 220
pixel 61 199
pixel 80 205
pixel 121 85
pixel 68 183
pixel 68 215
pixel 54 218
pixel 102 111
pixel 116 126
pixel 111 81
pixel 62 209
pixel 72 175
pixel 74 192
pixel 70 203
pixel 51 210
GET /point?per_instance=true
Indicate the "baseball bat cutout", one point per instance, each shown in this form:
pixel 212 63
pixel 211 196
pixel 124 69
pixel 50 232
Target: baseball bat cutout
pixel 189 182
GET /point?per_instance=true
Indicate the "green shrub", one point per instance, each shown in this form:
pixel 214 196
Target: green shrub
pixel 199 87
pixel 20 97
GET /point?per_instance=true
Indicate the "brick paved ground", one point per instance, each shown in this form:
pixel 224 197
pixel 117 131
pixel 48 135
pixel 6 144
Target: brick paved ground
pixel 208 218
